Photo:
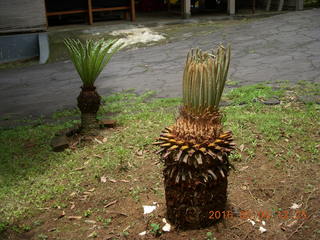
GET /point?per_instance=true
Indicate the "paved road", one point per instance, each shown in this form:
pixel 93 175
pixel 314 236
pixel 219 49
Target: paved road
pixel 282 47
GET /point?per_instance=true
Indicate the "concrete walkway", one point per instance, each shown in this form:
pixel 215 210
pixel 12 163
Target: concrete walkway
pixel 282 47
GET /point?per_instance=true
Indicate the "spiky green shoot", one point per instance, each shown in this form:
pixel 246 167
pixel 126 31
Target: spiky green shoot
pixel 91 57
pixel 204 78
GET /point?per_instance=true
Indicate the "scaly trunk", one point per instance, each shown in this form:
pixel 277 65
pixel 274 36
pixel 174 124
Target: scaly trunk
pixel 195 154
pixel 190 204
pixel 89 103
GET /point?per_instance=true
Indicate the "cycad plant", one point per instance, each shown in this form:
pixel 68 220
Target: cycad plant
pixel 195 149
pixel 89 59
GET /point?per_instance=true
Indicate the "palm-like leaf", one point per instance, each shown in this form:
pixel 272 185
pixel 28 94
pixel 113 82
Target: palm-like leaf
pixel 204 78
pixel 91 57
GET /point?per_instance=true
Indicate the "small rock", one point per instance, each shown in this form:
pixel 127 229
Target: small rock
pixel 271 101
pixel 107 123
pixel 59 143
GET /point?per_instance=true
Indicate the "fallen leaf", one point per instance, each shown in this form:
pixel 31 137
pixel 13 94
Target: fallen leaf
pixel 243 168
pixel 74 217
pixel 292 223
pixel 84 197
pixel 90 221
pixel 97 156
pixel 92 235
pixel 103 179
pixel 45 208
pixel 111 203
pixel 61 215
pixel 241 147
pixel 87 193
pixel 91 190
pixel 139 152
pixel 52 230
pixel 98 141
pixel 118 213
pixel 73 194
pixel 112 180
pixel 244 187
pixel 123 180
pixel 80 169
pixel 72 205
pixel 104 140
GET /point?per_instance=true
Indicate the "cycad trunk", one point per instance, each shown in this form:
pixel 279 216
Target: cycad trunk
pixel 191 205
pixel 195 153
pixel 89 103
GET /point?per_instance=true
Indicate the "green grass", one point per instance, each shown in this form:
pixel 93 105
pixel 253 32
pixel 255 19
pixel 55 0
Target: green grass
pixel 33 177
pixel 251 93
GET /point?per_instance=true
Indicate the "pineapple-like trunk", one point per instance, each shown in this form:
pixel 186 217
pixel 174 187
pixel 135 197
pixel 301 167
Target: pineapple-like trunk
pixel 190 204
pixel 195 154
pixel 89 103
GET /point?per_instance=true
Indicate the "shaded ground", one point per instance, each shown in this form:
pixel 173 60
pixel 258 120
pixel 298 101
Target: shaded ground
pixel 283 47
pixel 97 191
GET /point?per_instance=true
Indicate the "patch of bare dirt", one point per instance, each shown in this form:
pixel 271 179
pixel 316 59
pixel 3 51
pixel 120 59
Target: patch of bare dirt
pixel 266 202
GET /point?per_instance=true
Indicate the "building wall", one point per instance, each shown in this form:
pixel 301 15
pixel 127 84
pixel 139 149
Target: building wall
pixel 22 16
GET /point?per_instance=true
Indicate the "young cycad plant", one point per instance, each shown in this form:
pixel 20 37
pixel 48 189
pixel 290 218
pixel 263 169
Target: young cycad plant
pixel 89 59
pixel 195 149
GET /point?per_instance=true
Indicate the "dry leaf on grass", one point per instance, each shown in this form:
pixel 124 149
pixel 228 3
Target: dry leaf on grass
pixel 111 203
pixel 241 147
pixel 98 141
pixel 139 152
pixel 90 221
pixel 61 215
pixel 112 180
pixel 79 169
pixel 103 179
pixel 74 217
pixel 243 168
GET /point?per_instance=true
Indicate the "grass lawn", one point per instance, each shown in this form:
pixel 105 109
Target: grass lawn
pixel 97 190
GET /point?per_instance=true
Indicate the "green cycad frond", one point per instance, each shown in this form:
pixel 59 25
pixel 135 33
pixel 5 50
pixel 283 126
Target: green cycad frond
pixel 91 57
pixel 204 78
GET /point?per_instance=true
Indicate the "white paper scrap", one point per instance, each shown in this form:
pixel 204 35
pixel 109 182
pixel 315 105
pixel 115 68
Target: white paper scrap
pixel 295 206
pixel 252 222
pixel 262 229
pixel 148 209
pixel 143 233
pixel 167 226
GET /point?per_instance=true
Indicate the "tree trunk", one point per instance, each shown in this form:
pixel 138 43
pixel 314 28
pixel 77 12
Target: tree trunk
pixel 89 103
pixel 192 205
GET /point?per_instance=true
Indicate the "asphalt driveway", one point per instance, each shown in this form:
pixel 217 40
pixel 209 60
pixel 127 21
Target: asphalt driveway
pixel 285 47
